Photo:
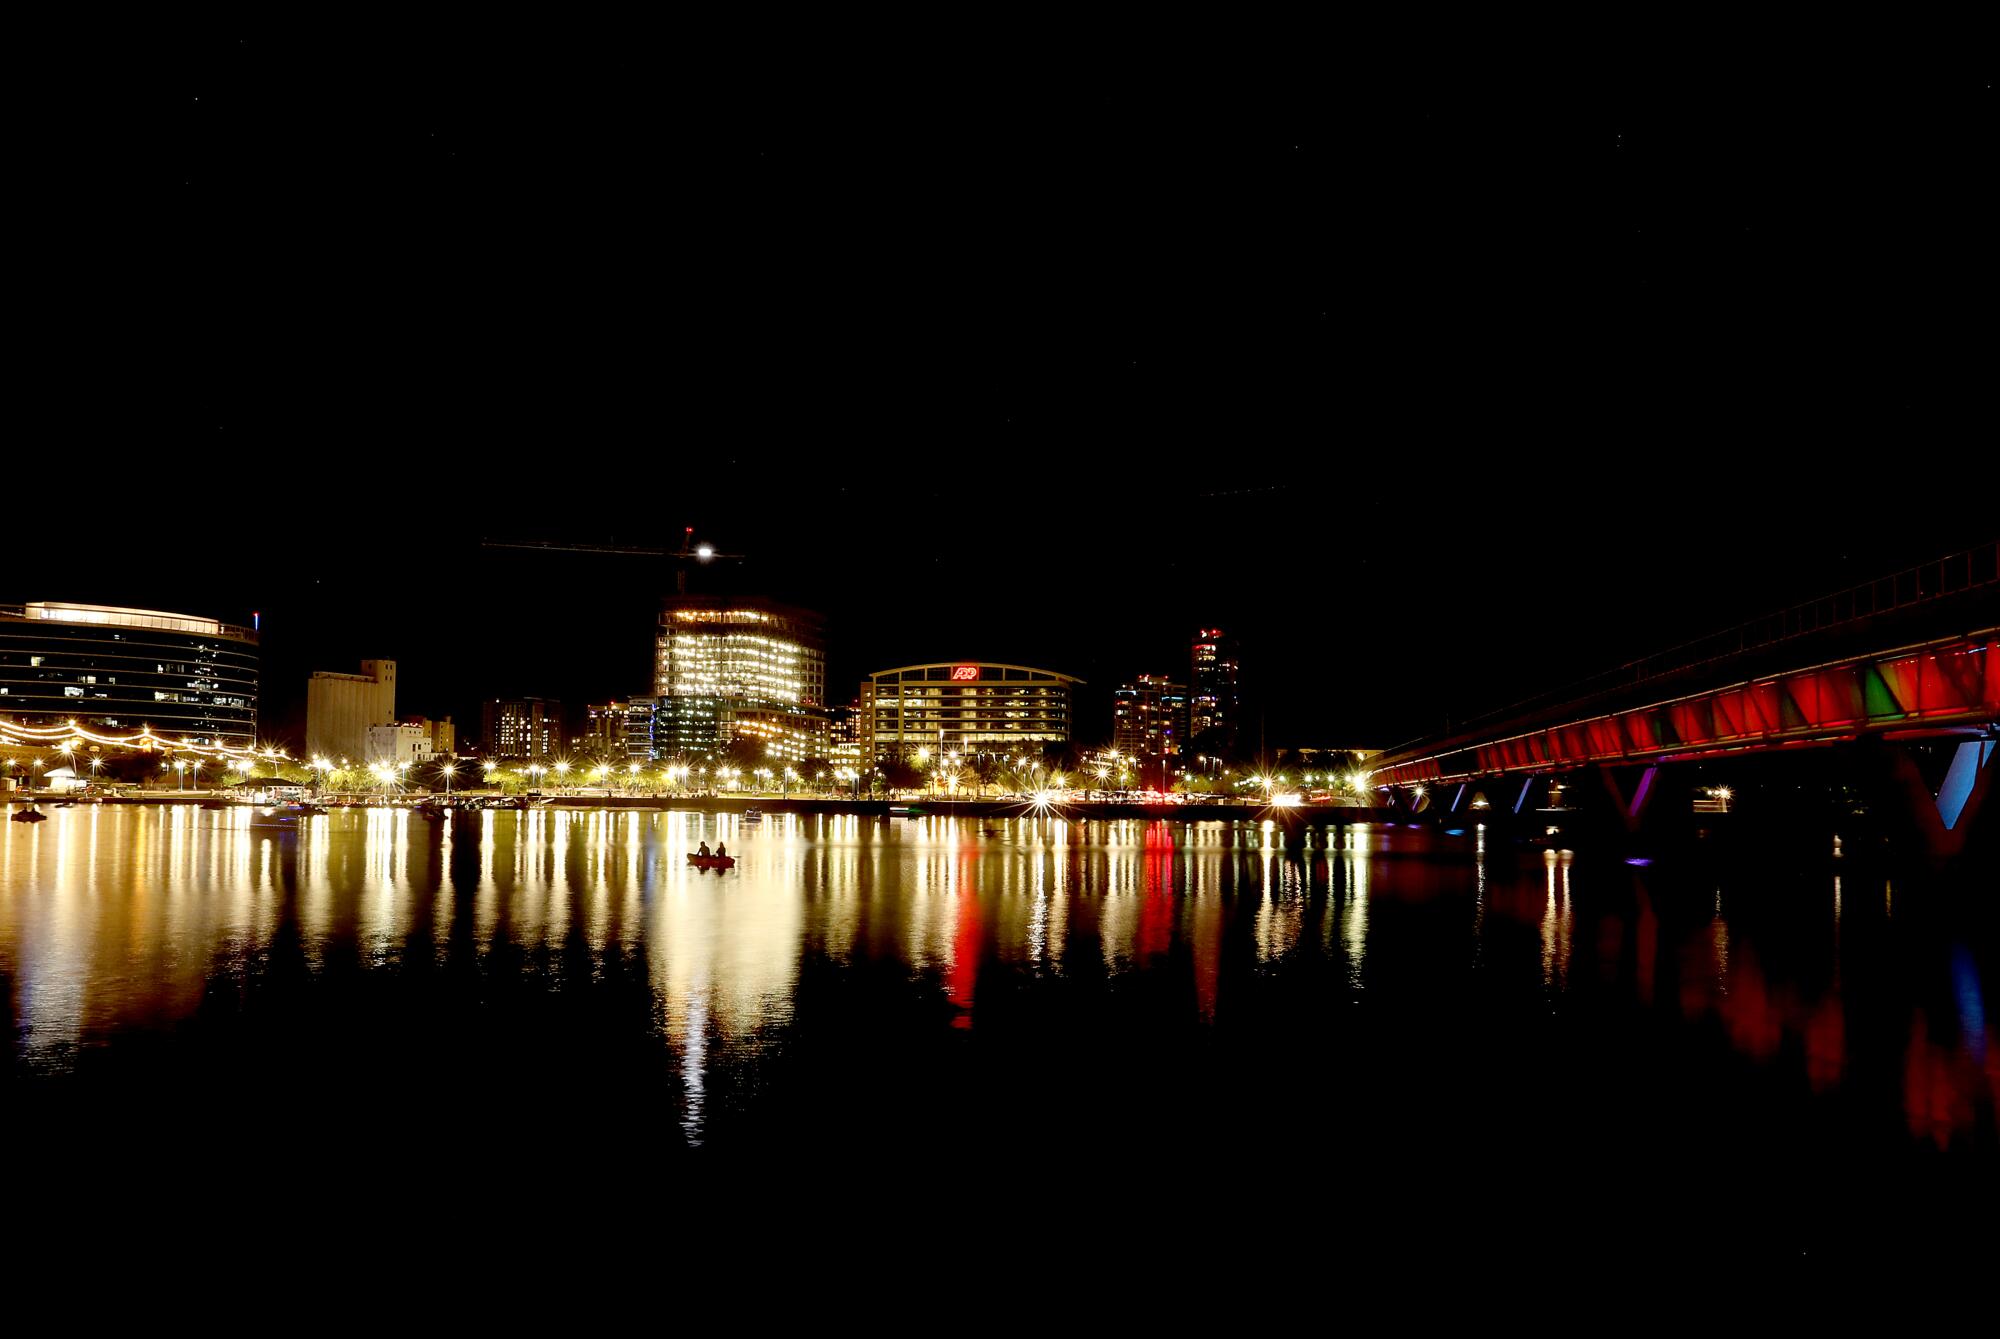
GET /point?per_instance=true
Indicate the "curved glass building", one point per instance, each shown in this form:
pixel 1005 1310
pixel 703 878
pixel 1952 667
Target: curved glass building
pixel 124 669
pixel 964 706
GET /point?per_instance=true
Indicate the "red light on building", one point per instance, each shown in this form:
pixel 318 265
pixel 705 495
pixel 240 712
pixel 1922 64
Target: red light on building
pixel 964 673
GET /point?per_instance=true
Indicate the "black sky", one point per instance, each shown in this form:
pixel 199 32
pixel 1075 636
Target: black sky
pixel 1433 386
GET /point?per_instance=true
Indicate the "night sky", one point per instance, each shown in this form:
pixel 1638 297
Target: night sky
pixel 1434 388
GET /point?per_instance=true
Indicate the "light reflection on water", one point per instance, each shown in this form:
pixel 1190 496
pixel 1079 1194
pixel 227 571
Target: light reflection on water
pixel 115 919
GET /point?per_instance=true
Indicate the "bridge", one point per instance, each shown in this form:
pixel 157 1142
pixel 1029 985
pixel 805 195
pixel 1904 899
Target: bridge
pixel 1903 671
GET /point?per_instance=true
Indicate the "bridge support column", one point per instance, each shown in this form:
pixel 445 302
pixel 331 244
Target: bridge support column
pixel 1942 819
pixel 1633 796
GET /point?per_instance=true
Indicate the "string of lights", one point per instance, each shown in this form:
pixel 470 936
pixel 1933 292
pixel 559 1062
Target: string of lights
pixel 145 740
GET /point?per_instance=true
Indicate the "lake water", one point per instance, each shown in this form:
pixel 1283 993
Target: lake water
pixel 1765 1041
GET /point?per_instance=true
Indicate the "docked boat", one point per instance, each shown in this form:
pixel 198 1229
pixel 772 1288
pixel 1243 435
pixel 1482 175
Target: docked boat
pixel 712 861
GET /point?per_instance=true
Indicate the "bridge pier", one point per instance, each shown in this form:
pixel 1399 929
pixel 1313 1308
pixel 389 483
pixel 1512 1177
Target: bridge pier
pixel 1940 811
pixel 1632 792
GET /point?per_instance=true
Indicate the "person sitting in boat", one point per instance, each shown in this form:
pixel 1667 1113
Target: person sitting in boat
pixel 721 850
pixel 703 852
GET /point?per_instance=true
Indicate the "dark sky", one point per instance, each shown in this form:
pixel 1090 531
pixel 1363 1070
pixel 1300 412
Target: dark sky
pixel 1433 386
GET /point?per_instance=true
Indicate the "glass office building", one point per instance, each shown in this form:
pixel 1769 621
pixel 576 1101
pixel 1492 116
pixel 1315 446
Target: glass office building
pixel 730 666
pixel 123 670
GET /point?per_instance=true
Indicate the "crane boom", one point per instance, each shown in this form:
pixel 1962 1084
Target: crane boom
pixel 689 552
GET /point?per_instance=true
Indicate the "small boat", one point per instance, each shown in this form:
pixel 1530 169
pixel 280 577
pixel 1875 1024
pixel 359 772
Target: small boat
pixel 31 816
pixel 753 815
pixel 712 861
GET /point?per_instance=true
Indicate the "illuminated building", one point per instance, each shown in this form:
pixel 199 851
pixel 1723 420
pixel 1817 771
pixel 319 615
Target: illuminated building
pixel 738 667
pixel 1149 717
pixel 604 731
pixel 123 669
pixel 1214 703
pixel 966 708
pixel 413 741
pixel 845 734
pixel 526 729
pixel 340 708
pixel 638 730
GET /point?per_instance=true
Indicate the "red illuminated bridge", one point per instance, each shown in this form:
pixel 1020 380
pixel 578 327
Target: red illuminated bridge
pixel 1907 669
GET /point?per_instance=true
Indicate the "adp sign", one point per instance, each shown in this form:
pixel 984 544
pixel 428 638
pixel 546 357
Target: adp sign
pixel 964 673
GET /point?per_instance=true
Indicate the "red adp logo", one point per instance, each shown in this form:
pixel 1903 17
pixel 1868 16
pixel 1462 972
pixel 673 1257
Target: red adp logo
pixel 964 673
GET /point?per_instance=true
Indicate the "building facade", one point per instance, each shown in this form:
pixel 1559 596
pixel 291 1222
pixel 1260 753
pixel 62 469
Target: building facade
pixel 1215 702
pixel 1149 717
pixel 604 731
pixel 109 668
pixel 965 708
pixel 846 736
pixel 522 729
pixel 340 708
pixel 414 740
pixel 738 667
pixel 639 731
pixel 404 742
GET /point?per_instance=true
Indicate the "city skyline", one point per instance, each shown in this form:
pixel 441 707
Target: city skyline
pixel 1345 379
pixel 1299 636
pixel 454 684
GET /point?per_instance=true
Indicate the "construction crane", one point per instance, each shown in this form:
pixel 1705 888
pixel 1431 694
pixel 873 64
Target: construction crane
pixel 688 553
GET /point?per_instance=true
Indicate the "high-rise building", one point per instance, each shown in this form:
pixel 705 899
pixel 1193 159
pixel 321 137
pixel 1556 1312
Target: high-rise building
pixel 640 734
pixel 524 729
pixel 340 708
pixel 730 667
pixel 108 668
pixel 845 733
pixel 604 731
pixel 964 708
pixel 1150 717
pixel 1214 698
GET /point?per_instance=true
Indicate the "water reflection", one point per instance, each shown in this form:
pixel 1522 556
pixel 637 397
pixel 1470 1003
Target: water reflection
pixel 117 920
